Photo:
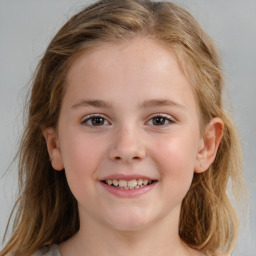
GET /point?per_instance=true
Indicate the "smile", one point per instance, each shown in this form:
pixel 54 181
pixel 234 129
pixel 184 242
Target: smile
pixel 130 184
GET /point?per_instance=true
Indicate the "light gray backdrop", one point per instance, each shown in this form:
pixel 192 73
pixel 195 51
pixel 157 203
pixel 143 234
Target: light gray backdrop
pixel 26 27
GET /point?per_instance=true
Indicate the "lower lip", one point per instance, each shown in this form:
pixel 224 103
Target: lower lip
pixel 129 192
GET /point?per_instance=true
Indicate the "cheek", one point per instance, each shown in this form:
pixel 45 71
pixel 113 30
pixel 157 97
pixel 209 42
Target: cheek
pixel 176 160
pixel 81 157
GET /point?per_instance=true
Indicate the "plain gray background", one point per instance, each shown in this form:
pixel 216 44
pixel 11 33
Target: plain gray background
pixel 27 26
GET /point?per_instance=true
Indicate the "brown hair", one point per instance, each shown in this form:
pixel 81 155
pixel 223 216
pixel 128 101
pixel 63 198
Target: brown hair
pixel 46 209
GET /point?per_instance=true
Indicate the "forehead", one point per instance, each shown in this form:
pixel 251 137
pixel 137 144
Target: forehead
pixel 136 55
pixel 128 74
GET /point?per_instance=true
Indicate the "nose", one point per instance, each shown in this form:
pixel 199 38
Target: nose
pixel 127 146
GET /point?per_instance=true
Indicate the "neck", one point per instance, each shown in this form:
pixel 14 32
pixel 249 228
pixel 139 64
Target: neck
pixel 160 239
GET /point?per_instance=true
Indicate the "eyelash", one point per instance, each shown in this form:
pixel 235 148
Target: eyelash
pixel 90 118
pixel 164 118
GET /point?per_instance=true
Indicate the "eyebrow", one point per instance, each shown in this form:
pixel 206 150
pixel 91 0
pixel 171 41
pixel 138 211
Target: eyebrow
pixel 92 103
pixel 161 103
pixel 146 104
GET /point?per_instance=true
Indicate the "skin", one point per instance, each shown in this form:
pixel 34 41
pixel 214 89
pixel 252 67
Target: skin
pixel 136 81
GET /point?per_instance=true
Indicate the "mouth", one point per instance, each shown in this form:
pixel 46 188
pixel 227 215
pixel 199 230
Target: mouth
pixel 129 184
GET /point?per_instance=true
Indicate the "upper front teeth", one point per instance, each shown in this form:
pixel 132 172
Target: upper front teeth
pixel 131 184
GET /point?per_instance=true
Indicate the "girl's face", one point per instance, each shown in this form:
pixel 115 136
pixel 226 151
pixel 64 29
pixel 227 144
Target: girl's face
pixel 128 135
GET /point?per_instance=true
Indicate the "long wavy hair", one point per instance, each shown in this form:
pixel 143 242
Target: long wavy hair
pixel 46 212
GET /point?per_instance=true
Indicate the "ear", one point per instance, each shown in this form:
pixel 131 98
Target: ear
pixel 51 139
pixel 209 144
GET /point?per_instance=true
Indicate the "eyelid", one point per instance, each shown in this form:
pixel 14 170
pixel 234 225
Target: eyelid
pixel 168 117
pixel 88 117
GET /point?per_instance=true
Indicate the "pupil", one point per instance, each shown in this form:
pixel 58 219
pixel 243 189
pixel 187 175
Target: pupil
pixel 97 121
pixel 159 121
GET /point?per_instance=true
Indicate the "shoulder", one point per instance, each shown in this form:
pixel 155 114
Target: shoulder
pixel 51 250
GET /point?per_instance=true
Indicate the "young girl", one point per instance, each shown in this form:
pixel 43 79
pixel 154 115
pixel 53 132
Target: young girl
pixel 128 149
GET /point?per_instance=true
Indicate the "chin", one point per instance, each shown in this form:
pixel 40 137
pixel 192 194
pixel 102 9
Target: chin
pixel 129 226
pixel 129 221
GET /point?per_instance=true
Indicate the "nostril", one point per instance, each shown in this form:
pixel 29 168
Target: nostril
pixel 126 153
pixel 133 158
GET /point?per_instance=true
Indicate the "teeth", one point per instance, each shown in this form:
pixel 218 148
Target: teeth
pixel 140 182
pixel 115 183
pixel 122 183
pixel 145 182
pixel 131 184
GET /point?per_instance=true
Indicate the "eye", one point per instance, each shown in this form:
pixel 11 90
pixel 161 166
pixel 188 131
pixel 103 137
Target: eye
pixel 95 120
pixel 160 120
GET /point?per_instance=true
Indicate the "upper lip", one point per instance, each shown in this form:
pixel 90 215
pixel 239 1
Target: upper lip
pixel 127 177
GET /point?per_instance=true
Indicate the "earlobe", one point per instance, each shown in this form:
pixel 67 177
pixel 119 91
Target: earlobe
pixel 53 148
pixel 209 144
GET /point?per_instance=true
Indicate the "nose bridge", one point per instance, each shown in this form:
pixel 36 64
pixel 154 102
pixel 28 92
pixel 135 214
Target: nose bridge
pixel 127 144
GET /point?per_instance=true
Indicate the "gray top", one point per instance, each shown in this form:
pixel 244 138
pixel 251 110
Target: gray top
pixel 52 250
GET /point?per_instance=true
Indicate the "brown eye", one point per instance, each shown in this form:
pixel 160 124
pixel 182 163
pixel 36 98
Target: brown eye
pixel 161 120
pixel 95 121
